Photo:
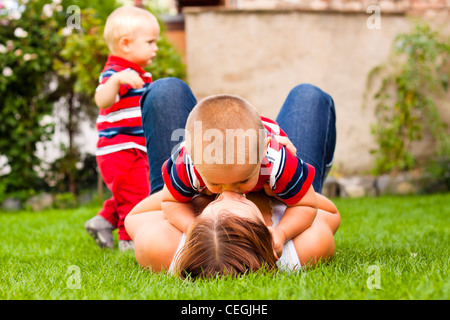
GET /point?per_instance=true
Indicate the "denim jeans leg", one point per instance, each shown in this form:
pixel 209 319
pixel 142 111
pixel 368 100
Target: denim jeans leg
pixel 165 107
pixel 308 117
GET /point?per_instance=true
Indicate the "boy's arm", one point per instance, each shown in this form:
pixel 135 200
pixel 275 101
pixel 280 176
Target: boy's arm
pixel 326 204
pixel 180 214
pixel 106 94
pixel 296 219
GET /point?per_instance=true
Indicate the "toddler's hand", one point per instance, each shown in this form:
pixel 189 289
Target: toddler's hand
pixel 287 143
pixel 268 190
pixel 278 240
pixel 129 77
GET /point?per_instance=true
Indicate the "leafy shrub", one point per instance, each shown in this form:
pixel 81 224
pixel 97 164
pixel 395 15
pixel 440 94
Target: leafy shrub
pixel 43 61
pixel 417 73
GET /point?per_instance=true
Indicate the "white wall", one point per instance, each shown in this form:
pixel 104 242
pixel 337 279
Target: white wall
pixel 260 55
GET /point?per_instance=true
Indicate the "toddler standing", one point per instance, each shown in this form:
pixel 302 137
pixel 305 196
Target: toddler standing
pixel 131 34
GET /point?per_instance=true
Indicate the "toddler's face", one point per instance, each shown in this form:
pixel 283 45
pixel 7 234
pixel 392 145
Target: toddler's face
pixel 238 178
pixel 143 45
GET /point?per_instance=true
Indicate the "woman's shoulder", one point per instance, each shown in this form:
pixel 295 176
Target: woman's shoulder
pixel 155 240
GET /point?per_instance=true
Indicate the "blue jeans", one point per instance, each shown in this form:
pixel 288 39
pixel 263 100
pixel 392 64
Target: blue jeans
pixel 307 116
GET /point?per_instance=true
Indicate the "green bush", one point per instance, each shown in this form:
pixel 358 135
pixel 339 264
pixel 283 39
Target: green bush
pixel 28 41
pixel 44 60
pixel 65 200
pixel 416 74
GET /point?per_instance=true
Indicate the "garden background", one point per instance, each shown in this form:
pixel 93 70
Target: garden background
pixel 392 162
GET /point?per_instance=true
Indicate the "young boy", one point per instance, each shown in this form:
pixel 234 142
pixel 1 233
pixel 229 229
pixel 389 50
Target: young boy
pixel 244 156
pixel 131 34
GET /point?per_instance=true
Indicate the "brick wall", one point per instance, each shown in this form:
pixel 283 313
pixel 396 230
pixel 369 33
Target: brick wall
pixel 412 6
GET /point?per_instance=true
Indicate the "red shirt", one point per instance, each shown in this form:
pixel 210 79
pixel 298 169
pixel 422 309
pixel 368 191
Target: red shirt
pixel 288 176
pixel 120 126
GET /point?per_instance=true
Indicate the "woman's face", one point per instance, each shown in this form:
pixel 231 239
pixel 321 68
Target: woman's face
pixel 236 204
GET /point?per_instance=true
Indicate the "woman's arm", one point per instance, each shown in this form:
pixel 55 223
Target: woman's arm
pixel 296 219
pixel 180 214
pixel 141 214
pixel 317 242
pixel 151 203
pixel 155 239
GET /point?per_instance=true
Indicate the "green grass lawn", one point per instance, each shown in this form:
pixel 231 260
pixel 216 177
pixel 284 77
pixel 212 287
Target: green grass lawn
pixel 386 248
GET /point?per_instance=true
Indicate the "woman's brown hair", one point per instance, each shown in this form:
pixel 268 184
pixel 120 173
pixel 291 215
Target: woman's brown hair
pixel 225 244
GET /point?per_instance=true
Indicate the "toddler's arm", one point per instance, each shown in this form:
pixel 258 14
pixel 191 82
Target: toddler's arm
pixel 106 94
pixel 180 214
pixel 296 219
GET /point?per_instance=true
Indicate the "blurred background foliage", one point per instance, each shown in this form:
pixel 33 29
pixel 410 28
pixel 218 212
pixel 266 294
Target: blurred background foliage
pixel 414 78
pixel 51 54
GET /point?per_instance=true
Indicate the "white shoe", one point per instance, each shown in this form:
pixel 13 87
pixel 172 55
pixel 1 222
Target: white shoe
pixel 101 230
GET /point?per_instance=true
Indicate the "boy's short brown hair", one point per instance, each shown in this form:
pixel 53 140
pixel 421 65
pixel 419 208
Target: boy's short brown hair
pixel 232 119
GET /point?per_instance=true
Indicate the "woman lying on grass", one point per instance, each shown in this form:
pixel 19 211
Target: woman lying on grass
pixel 231 235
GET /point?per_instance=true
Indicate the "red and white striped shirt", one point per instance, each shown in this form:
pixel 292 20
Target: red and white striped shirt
pixel 288 176
pixel 120 126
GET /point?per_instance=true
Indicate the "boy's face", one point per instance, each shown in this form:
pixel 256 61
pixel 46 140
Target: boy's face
pixel 238 178
pixel 142 46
